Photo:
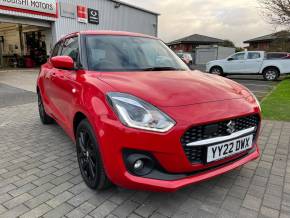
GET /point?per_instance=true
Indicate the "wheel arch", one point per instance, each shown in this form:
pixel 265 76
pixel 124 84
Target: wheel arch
pixel 270 67
pixel 78 118
pixel 216 66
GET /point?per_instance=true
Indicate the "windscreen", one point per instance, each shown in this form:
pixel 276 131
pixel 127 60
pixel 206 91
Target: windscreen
pixel 127 53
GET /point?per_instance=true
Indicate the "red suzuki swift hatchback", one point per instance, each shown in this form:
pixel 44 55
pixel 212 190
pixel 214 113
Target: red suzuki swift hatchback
pixel 140 118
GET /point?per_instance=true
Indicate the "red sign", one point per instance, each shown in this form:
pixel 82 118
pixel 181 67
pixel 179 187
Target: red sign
pixel 43 7
pixel 82 13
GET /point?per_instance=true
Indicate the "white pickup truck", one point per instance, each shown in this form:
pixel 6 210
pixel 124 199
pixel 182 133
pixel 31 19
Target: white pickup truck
pixel 250 62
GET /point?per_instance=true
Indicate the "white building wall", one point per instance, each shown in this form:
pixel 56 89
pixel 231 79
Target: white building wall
pixel 124 18
pixel 225 52
pixel 205 54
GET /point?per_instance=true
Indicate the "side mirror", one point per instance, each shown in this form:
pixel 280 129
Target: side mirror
pixel 63 62
pixel 230 59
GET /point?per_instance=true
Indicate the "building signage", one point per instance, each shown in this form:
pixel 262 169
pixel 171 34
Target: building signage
pixel 43 7
pixel 93 16
pixel 67 10
pixel 82 13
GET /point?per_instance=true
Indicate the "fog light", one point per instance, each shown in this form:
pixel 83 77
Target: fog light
pixel 138 165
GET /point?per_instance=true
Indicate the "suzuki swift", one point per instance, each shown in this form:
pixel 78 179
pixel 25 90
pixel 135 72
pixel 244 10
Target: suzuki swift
pixel 139 117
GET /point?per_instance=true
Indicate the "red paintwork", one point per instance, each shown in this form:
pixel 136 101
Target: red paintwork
pixel 62 62
pixel 190 98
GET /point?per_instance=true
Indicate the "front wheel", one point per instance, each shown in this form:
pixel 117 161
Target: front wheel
pixel 89 158
pixel 217 71
pixel 271 74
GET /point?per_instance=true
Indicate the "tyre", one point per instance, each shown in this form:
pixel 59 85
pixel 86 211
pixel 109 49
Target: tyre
pixel 271 74
pixel 44 117
pixel 89 157
pixel 217 71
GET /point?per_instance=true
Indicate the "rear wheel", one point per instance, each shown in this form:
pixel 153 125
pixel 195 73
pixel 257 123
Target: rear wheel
pixel 217 71
pixel 89 158
pixel 44 117
pixel 271 74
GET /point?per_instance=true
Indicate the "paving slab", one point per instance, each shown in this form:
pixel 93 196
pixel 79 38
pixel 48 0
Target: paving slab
pixel 39 176
pixel 41 190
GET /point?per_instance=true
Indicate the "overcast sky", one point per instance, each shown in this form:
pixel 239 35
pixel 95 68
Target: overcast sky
pixel 237 20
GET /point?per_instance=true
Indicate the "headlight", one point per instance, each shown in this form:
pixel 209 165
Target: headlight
pixel 136 113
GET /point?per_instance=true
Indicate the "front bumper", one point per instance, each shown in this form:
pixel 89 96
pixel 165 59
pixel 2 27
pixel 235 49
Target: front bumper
pixel 166 147
pixel 169 185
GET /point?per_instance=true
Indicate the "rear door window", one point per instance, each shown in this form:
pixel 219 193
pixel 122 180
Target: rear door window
pixel 254 55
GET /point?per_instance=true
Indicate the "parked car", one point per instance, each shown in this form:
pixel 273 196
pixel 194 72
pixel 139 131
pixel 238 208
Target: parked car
pixel 277 55
pixel 139 117
pixel 287 56
pixel 252 62
pixel 186 58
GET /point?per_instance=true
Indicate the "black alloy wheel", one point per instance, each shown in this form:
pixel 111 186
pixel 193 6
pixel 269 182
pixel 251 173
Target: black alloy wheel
pixel 89 159
pixel 217 71
pixel 271 74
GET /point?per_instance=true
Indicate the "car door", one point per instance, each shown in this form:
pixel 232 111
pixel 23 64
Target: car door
pixel 235 63
pixel 253 62
pixel 48 91
pixel 64 84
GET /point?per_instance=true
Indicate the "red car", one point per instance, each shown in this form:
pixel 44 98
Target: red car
pixel 140 118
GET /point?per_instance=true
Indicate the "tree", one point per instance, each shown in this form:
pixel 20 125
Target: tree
pixel 239 49
pixel 228 43
pixel 276 11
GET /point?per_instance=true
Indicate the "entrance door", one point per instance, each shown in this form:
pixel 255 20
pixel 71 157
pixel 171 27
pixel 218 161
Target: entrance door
pixel 23 45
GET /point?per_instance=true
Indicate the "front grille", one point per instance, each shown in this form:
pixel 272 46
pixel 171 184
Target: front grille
pixel 197 154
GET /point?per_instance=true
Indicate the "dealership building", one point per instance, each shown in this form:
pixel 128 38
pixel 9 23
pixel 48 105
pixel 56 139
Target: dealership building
pixel 29 28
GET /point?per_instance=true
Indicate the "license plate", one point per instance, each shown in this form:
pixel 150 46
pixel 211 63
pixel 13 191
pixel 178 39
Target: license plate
pixel 226 149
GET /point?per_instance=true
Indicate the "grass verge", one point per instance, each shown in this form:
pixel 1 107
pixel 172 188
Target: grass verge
pixel 276 106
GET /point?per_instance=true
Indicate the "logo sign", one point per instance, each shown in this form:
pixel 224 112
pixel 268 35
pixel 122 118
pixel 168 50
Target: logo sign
pixel 67 10
pixel 93 16
pixel 231 127
pixel 42 7
pixel 82 14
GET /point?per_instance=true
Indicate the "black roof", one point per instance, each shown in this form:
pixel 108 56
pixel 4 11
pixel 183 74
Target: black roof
pixel 197 39
pixel 269 37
